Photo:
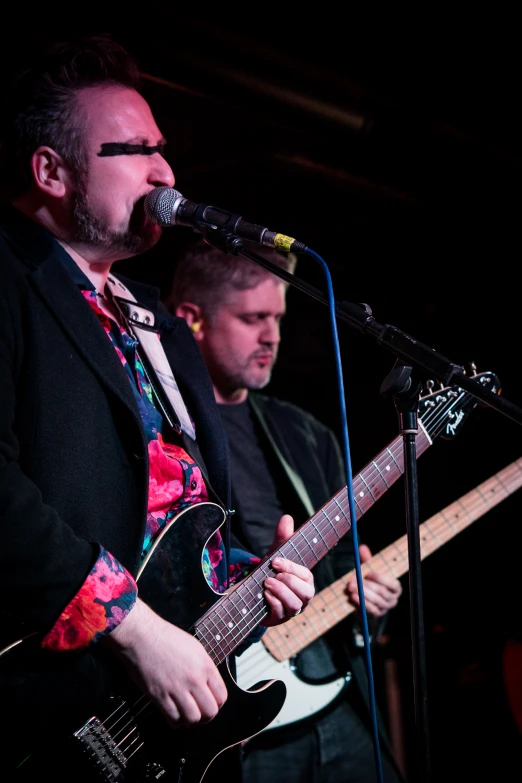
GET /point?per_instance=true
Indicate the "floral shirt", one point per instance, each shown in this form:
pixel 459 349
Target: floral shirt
pixel 175 482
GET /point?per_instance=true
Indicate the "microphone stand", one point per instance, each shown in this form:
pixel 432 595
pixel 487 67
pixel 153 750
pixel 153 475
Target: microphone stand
pixel 404 386
pixel 415 362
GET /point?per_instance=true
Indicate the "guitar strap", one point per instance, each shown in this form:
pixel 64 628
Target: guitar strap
pixel 294 478
pixel 141 325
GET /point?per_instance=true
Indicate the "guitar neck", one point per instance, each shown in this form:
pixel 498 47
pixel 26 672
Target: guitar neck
pixel 330 606
pixel 236 614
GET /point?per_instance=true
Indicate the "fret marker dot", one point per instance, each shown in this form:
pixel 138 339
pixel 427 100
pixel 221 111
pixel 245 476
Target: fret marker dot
pixel 218 637
pixel 314 540
pixel 231 625
pixel 387 467
pixel 259 595
pixel 337 518
pixel 361 494
pixel 244 611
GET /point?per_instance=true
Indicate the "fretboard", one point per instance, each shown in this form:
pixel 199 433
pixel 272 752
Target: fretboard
pixel 236 614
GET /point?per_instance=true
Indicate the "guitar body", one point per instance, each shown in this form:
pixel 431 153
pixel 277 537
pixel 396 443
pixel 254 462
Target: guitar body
pixel 77 716
pixel 303 699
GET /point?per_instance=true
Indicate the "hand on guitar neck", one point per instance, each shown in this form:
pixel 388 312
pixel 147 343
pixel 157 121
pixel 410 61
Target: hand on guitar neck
pixel 293 588
pixel 381 591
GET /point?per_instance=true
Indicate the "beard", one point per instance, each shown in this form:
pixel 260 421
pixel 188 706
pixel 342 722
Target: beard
pixel 141 235
pixel 245 375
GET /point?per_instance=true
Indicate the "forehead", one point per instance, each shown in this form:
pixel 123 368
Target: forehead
pixel 267 297
pixel 116 113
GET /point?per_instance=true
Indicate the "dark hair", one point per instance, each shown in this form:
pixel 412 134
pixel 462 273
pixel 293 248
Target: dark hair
pixel 41 106
pixel 206 276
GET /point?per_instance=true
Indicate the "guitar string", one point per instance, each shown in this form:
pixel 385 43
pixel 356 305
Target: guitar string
pixel 283 633
pixel 219 638
pixel 434 533
pixel 260 611
pixel 227 637
pixel 470 509
pixel 473 505
pixel 239 629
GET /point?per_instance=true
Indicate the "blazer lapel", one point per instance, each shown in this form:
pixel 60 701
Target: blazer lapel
pixel 53 283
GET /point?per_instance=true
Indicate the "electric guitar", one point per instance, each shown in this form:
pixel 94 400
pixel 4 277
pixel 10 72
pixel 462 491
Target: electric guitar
pixel 273 656
pixel 110 731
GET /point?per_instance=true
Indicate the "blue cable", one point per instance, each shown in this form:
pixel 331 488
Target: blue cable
pixel 353 517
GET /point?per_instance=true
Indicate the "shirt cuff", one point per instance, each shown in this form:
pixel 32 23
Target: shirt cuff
pixel 103 601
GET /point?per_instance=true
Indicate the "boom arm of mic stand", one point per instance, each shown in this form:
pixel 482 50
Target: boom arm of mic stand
pixel 405 347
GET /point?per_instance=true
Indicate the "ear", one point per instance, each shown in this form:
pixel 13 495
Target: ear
pixel 49 172
pixel 192 315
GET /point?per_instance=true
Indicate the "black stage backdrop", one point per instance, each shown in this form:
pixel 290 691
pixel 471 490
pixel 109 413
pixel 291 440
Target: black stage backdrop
pixel 394 153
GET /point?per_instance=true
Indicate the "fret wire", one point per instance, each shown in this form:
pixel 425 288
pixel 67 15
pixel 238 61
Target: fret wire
pixel 331 523
pixel 254 594
pixel 239 631
pixel 382 475
pixel 295 548
pixel 318 532
pixel 345 515
pixel 368 487
pixel 244 622
pixel 376 485
pixel 393 458
pixel 447 519
pixel 484 498
pixel 230 643
pixel 311 548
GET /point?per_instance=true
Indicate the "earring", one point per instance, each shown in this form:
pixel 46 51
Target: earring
pixel 195 327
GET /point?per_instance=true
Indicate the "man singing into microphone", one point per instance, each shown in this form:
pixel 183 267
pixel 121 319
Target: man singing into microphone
pixel 282 457
pixel 109 437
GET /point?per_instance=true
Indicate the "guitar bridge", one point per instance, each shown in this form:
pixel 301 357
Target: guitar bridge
pixel 102 751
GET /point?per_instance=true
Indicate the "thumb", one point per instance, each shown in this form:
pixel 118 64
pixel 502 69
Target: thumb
pixel 283 531
pixel 364 553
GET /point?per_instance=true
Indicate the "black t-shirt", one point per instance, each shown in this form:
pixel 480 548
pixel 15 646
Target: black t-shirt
pixel 254 484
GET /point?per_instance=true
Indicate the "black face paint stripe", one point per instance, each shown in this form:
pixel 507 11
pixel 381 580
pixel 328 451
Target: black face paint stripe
pixel 117 148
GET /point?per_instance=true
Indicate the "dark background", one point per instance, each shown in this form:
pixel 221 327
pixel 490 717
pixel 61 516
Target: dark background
pixel 392 148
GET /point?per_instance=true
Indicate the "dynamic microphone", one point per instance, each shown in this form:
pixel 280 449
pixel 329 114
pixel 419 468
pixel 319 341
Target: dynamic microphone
pixel 168 207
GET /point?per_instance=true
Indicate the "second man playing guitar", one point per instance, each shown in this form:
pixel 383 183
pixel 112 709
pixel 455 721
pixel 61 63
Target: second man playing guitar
pixel 282 457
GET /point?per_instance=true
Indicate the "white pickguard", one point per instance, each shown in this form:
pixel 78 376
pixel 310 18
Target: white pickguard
pixel 302 699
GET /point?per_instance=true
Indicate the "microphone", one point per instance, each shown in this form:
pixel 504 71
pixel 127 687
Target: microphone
pixel 167 207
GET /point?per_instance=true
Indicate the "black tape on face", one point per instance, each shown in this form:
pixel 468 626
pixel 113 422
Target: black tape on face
pixel 118 148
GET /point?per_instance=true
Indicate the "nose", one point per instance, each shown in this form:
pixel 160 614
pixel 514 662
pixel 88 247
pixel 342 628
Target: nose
pixel 161 173
pixel 271 332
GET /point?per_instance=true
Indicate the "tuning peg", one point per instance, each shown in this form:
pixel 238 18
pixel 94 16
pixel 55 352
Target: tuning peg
pixel 473 368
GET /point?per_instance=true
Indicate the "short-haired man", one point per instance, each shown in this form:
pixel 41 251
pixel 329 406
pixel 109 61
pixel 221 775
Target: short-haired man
pixel 282 457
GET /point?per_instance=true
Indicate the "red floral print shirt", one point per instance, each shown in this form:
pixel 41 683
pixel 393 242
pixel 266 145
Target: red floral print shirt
pixel 175 482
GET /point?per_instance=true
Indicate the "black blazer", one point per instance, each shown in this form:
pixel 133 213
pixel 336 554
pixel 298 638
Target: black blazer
pixel 73 456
